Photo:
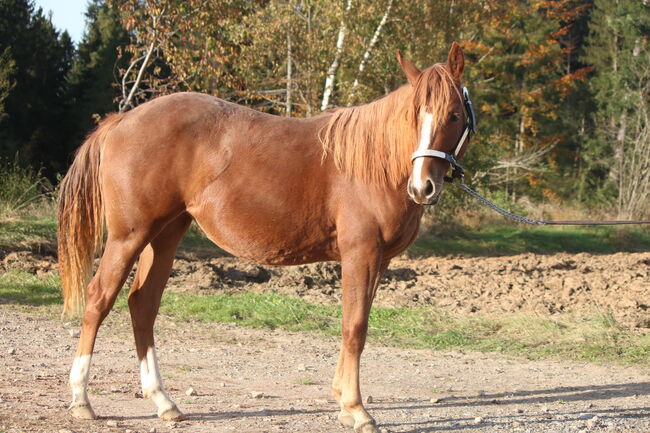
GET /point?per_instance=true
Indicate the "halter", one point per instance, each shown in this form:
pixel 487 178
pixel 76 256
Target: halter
pixel 470 128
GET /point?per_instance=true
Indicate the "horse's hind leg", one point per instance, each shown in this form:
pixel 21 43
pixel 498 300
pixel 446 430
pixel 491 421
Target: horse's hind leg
pixel 114 267
pixel 154 267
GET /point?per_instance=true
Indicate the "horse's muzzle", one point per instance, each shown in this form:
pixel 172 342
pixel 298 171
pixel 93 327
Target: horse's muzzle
pixel 427 193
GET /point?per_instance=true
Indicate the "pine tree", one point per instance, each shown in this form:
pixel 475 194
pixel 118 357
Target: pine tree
pixel 618 50
pixel 92 80
pixel 521 82
pixel 34 107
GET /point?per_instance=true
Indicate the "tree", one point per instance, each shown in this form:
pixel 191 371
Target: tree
pixel 517 69
pixel 617 47
pixel 34 111
pixel 7 66
pixel 93 78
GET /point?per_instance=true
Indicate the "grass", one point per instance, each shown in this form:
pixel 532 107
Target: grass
pixel 27 232
pixel 26 288
pixel 596 338
pixel 491 240
pixel 20 187
pixel 516 239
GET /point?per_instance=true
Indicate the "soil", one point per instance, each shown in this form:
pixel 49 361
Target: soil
pixel 528 283
pixel 251 380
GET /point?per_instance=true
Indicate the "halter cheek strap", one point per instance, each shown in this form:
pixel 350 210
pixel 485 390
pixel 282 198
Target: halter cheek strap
pixel 470 125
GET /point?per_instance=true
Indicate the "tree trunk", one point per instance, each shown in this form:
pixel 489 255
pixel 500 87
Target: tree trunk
pixel 331 72
pixel 287 110
pixel 366 55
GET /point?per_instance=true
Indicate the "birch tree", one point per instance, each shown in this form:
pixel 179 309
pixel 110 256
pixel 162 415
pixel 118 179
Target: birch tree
pixel 330 79
pixel 368 52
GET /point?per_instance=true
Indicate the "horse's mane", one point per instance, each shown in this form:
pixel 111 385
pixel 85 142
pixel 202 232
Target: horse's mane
pixel 374 142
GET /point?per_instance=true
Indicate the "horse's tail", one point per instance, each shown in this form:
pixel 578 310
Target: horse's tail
pixel 81 218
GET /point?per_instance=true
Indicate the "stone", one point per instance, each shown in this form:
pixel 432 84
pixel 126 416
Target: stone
pixel 12 351
pixel 369 399
pixel 152 430
pixel 73 333
pixel 257 394
pixel 478 420
pixel 593 422
pixel 191 392
pixel 435 400
pixel 111 423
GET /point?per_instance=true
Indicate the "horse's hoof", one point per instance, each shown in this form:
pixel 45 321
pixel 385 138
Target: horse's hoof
pixel 172 414
pixel 82 411
pixel 366 427
pixel 346 419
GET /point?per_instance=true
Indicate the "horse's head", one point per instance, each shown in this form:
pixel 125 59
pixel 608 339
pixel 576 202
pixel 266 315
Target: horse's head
pixel 444 123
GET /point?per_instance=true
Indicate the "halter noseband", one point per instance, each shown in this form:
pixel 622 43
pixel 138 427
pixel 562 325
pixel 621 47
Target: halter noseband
pixel 470 128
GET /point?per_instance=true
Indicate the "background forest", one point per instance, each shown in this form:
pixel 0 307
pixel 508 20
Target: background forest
pixel 561 86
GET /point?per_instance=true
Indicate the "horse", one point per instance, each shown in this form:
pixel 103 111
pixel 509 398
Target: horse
pixel 344 185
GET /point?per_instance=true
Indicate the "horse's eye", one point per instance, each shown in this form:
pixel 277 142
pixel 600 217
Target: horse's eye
pixel 453 117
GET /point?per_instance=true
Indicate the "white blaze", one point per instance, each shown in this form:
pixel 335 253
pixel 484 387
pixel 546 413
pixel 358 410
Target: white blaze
pixel 152 386
pixel 79 380
pixel 425 142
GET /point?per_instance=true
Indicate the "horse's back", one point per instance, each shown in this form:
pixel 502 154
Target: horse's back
pixel 252 180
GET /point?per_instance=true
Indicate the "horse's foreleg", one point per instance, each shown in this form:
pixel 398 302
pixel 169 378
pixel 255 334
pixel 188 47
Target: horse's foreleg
pixel 154 268
pixel 114 268
pixel 362 268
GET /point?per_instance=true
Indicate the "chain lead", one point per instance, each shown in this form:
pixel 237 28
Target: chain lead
pixel 533 221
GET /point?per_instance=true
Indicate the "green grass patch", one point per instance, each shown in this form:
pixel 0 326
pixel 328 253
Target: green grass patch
pixel 28 289
pixel 597 338
pixel 484 241
pixel 27 232
pixel 195 242
pixel 516 239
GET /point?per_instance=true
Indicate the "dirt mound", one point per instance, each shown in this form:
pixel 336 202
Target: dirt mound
pixel 541 284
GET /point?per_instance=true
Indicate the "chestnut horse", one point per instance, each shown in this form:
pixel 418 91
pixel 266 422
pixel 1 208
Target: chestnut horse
pixel 276 190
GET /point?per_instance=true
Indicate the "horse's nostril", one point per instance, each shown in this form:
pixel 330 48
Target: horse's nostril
pixel 428 188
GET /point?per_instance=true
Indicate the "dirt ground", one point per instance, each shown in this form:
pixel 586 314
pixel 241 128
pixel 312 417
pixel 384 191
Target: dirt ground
pixel 531 283
pixel 412 390
pixel 275 381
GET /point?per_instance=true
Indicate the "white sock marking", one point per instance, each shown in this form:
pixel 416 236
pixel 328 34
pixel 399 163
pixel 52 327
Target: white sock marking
pixel 79 380
pixel 152 386
pixel 425 142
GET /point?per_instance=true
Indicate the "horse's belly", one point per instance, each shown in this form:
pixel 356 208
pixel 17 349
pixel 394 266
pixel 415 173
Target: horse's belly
pixel 267 231
pixel 275 247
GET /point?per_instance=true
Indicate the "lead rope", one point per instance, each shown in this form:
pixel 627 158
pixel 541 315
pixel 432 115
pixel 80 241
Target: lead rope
pixel 525 220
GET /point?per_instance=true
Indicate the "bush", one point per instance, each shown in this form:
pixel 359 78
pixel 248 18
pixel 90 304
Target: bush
pixel 21 188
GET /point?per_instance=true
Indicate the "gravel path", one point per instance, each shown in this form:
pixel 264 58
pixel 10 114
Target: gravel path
pixel 275 381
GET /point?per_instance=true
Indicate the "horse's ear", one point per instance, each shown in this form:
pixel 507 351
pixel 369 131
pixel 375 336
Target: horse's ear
pixel 412 73
pixel 456 60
